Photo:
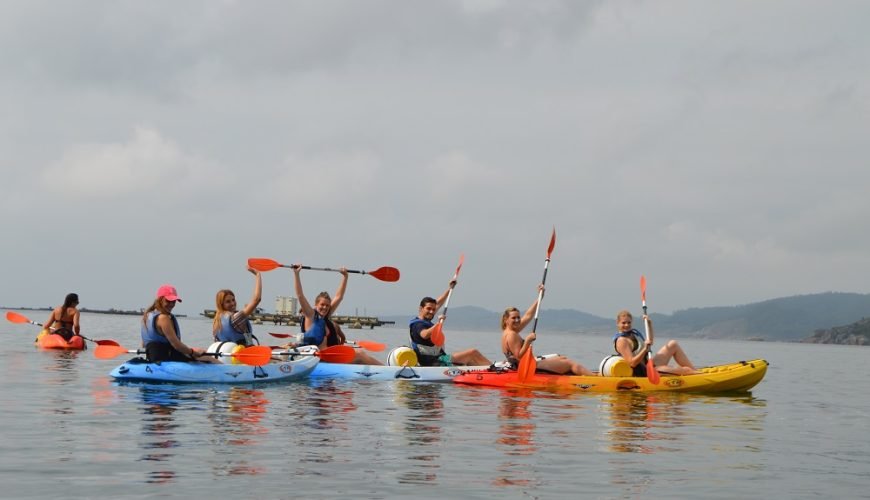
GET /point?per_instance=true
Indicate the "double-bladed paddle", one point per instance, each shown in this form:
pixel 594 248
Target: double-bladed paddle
pixel 368 345
pixel 528 364
pixel 651 373
pixel 437 335
pixel 339 354
pixel 382 273
pixel 257 355
pixel 14 317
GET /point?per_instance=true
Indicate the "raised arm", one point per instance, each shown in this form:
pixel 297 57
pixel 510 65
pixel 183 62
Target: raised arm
pixel 339 293
pixel 443 297
pixel 258 293
pixel 304 306
pixel 530 312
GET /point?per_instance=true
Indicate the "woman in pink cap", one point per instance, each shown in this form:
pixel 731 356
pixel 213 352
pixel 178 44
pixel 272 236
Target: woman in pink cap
pixel 161 336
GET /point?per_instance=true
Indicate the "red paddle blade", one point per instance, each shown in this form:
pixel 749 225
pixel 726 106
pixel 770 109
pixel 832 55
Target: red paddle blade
pixel 386 273
pixel 106 342
pixel 371 346
pixel 258 355
pixel 337 354
pixel 437 336
pixel 643 288
pixel 527 367
pixel 109 351
pixel 651 373
pixel 14 317
pixel 263 265
pixel 552 244
pixel 461 260
pixel 282 335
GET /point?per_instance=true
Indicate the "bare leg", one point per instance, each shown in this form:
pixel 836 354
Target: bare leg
pixel 561 365
pixel 470 357
pixel 673 350
pixel 364 358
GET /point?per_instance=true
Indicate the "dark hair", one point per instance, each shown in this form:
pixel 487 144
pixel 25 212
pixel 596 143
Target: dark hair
pixel 70 300
pixel 427 300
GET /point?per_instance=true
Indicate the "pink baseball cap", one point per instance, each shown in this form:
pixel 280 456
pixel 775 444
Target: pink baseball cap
pixel 169 292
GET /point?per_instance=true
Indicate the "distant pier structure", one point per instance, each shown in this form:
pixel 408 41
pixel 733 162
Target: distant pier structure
pixel 287 313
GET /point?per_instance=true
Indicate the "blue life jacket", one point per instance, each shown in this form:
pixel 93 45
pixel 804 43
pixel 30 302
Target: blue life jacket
pixel 322 328
pixel 637 341
pixel 229 334
pixel 423 347
pixel 149 329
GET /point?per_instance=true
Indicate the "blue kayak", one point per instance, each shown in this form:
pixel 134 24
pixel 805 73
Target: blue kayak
pixel 383 372
pixel 214 373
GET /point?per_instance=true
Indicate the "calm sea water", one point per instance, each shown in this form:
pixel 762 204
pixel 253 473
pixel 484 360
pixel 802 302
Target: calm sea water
pixel 69 431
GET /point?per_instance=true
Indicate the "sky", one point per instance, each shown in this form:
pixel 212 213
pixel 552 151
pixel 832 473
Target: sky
pixel 718 148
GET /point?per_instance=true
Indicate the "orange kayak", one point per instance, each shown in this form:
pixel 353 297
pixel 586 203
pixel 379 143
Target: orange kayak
pixel 47 340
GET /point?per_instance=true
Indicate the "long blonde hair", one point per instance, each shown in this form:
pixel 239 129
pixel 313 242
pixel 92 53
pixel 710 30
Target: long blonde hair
pixel 219 308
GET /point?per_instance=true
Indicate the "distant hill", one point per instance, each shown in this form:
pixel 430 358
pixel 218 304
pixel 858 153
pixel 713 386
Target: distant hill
pixel 857 333
pixel 784 319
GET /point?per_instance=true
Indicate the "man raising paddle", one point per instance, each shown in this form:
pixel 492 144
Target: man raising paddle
pixel 428 354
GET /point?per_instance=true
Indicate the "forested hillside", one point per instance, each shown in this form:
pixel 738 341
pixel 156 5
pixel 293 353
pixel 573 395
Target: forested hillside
pixel 783 319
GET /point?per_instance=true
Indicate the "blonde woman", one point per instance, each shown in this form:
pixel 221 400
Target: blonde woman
pixel 232 325
pixel 515 346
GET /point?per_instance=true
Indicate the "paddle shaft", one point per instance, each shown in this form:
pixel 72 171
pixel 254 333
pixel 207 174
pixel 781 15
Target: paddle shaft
pixel 311 268
pixel 540 296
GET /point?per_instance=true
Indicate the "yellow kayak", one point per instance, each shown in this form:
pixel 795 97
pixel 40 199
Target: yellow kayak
pixel 735 377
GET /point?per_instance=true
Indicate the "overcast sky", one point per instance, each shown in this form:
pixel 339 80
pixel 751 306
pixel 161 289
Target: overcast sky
pixel 719 148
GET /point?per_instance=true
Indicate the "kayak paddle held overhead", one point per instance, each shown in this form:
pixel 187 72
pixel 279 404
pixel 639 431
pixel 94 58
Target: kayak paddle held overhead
pixel 385 273
pixel 528 364
pixel 437 335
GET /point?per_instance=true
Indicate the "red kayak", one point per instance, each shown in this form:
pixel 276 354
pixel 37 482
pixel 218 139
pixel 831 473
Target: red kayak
pixel 47 340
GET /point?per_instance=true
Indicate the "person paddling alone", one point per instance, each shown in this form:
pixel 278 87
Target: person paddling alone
pixel 66 317
pixel 161 336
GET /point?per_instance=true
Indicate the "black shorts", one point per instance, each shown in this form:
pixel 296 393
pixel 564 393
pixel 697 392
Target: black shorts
pixel 156 352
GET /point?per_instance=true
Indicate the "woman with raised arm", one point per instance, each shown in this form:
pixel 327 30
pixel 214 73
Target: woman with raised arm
pixel 515 346
pixel 317 327
pixel 232 325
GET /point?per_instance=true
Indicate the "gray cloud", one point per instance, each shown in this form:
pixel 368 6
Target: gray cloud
pixel 719 153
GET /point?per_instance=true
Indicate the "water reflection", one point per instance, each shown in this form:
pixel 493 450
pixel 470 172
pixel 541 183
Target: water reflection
pixel 630 417
pixel 683 424
pixel 158 430
pixel 516 438
pixel 422 428
pixel 319 411
pixel 236 415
